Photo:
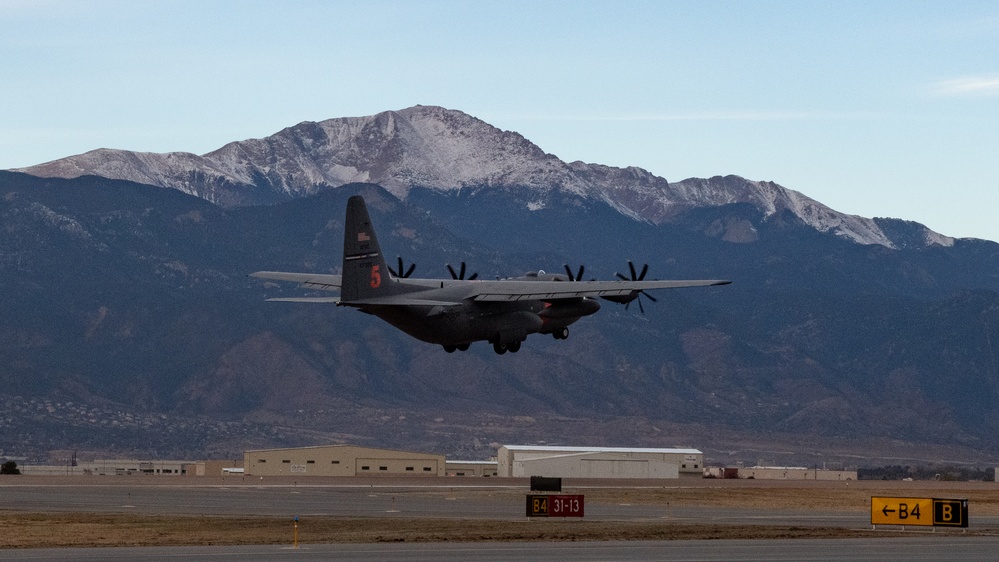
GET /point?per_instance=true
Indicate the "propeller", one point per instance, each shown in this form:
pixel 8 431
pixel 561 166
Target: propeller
pixel 402 272
pixel 460 274
pixel 577 276
pixel 635 276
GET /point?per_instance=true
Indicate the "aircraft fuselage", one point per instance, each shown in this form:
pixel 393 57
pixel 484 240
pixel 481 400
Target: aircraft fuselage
pixel 495 322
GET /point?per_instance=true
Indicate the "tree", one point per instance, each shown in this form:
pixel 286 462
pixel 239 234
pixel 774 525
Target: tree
pixel 9 467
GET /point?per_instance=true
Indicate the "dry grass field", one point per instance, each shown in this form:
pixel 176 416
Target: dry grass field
pixel 808 496
pixel 87 530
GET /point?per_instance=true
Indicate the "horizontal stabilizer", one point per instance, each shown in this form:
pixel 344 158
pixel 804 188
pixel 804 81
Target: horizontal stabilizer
pixel 332 300
pixel 325 282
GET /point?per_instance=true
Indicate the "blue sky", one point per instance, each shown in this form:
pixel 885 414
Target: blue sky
pixel 873 108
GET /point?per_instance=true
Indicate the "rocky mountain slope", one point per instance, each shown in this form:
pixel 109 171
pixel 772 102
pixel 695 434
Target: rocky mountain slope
pixel 129 324
pixel 448 151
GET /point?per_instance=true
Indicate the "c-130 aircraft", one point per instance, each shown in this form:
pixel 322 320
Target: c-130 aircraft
pixel 456 312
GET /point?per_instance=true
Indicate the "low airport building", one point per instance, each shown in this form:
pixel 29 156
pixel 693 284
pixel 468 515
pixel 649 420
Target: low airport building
pixel 780 473
pixel 471 468
pixel 112 467
pixel 598 462
pixel 214 468
pixel 341 460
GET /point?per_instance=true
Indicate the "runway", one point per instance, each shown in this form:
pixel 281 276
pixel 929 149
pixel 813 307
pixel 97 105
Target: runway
pixel 907 549
pixel 369 501
pixel 466 499
pixel 476 499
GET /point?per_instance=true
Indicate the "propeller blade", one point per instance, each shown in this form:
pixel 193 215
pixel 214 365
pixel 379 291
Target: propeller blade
pixel 460 274
pixel 575 276
pixel 401 272
pixel 636 275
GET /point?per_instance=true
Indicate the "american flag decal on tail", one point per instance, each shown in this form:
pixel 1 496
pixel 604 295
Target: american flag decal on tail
pixel 363 237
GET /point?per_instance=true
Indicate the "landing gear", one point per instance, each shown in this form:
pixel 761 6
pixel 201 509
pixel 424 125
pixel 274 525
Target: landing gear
pixel 561 334
pixel 453 348
pixel 450 348
pixel 501 348
pixel 463 347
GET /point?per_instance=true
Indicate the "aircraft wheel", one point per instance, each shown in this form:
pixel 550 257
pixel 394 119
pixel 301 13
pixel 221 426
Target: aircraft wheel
pixel 463 347
pixel 499 348
pixel 564 334
pixel 450 348
pixel 514 347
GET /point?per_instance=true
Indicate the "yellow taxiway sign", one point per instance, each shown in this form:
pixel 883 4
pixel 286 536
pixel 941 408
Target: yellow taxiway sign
pixel 919 511
pixel 902 511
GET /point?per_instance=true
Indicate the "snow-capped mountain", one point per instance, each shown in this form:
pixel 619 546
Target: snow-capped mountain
pixel 441 149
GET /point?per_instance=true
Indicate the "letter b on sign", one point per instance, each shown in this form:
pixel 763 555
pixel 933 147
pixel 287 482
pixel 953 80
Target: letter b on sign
pixel 950 513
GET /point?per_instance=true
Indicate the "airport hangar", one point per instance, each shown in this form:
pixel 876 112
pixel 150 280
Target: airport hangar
pixel 512 461
pixel 340 460
pixel 598 462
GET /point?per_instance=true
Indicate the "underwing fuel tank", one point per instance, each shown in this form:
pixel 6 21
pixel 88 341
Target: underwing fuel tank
pixel 574 309
pixel 514 326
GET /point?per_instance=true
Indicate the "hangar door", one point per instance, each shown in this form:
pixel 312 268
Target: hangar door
pixel 615 468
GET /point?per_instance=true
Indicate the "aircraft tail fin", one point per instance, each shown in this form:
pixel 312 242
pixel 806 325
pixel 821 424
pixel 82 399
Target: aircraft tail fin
pixel 365 273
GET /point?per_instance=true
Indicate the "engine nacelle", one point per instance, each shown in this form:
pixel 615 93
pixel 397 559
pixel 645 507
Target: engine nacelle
pixel 623 299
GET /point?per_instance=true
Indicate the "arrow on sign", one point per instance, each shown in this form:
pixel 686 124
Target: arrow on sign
pixel 886 511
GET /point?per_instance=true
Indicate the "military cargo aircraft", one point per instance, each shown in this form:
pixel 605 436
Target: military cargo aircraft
pixel 456 312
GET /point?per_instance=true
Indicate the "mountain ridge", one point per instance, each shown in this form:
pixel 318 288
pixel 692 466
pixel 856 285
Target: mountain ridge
pixel 447 150
pixel 132 303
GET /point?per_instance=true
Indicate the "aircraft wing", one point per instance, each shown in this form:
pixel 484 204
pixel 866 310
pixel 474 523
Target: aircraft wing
pixel 451 292
pixel 514 290
pixel 320 281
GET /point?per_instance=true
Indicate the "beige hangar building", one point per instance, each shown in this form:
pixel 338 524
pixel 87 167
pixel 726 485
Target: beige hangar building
pixel 598 462
pixel 341 460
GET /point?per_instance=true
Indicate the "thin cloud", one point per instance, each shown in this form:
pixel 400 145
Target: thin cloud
pixel 969 86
